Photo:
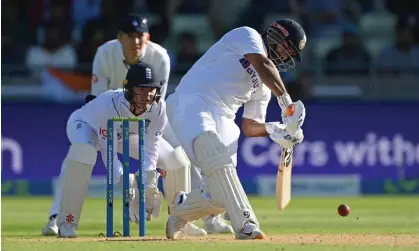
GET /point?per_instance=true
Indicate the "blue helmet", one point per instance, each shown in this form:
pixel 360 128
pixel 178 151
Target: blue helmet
pixel 285 30
pixel 140 75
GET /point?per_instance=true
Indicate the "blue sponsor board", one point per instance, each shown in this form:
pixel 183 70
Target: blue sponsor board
pixel 340 139
pixel 313 185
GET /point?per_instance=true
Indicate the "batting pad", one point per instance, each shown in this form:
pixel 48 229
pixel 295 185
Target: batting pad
pixel 222 180
pixel 178 174
pixel 75 183
pixel 196 176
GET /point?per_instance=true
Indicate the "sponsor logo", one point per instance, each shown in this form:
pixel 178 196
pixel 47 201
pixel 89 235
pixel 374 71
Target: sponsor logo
pixel 104 132
pixel 287 156
pixel 69 218
pixel 12 147
pixel 284 31
pixel 254 78
pixel 244 62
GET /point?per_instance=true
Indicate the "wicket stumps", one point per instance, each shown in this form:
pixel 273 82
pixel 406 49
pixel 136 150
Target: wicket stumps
pixel 125 178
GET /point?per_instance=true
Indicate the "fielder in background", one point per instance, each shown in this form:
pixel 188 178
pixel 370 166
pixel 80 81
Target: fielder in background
pixel 87 135
pixel 240 69
pixel 111 64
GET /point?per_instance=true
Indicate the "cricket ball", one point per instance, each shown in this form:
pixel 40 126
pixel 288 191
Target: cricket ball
pixel 344 210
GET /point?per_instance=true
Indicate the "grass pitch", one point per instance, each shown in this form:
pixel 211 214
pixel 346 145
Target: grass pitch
pixel 376 223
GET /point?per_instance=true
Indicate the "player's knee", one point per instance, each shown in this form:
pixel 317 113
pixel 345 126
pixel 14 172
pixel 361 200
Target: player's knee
pixel 177 159
pixel 211 153
pixel 83 153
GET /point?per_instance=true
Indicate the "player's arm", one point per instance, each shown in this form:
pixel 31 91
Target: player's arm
pixel 252 128
pixel 163 74
pixel 248 42
pixel 254 125
pixel 153 136
pixel 293 114
pixel 100 78
pixel 254 114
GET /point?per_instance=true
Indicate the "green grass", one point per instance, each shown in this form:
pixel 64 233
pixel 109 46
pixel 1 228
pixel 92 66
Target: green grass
pixel 376 223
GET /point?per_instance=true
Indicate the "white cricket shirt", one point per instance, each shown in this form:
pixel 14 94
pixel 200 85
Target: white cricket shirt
pixel 110 69
pixel 113 104
pixel 225 77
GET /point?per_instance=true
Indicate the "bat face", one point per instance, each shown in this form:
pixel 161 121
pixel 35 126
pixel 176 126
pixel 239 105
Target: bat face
pixel 283 180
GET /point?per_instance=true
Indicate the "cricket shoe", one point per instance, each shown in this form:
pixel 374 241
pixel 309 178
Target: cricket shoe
pixel 51 229
pixel 250 232
pixel 215 225
pixel 191 229
pixel 175 225
pixel 67 230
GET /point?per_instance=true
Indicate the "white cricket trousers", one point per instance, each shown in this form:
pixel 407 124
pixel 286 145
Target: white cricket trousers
pixel 79 131
pixel 190 115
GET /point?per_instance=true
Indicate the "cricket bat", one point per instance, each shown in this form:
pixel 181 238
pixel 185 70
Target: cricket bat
pixel 283 179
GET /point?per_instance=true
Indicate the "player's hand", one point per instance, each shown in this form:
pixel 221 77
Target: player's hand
pixel 134 199
pixel 153 197
pixel 293 114
pixel 279 134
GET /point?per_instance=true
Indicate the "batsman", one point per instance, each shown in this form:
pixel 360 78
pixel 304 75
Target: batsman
pixel 86 132
pixel 241 69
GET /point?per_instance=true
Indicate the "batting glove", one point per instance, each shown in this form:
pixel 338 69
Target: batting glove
pixel 279 134
pixel 292 121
